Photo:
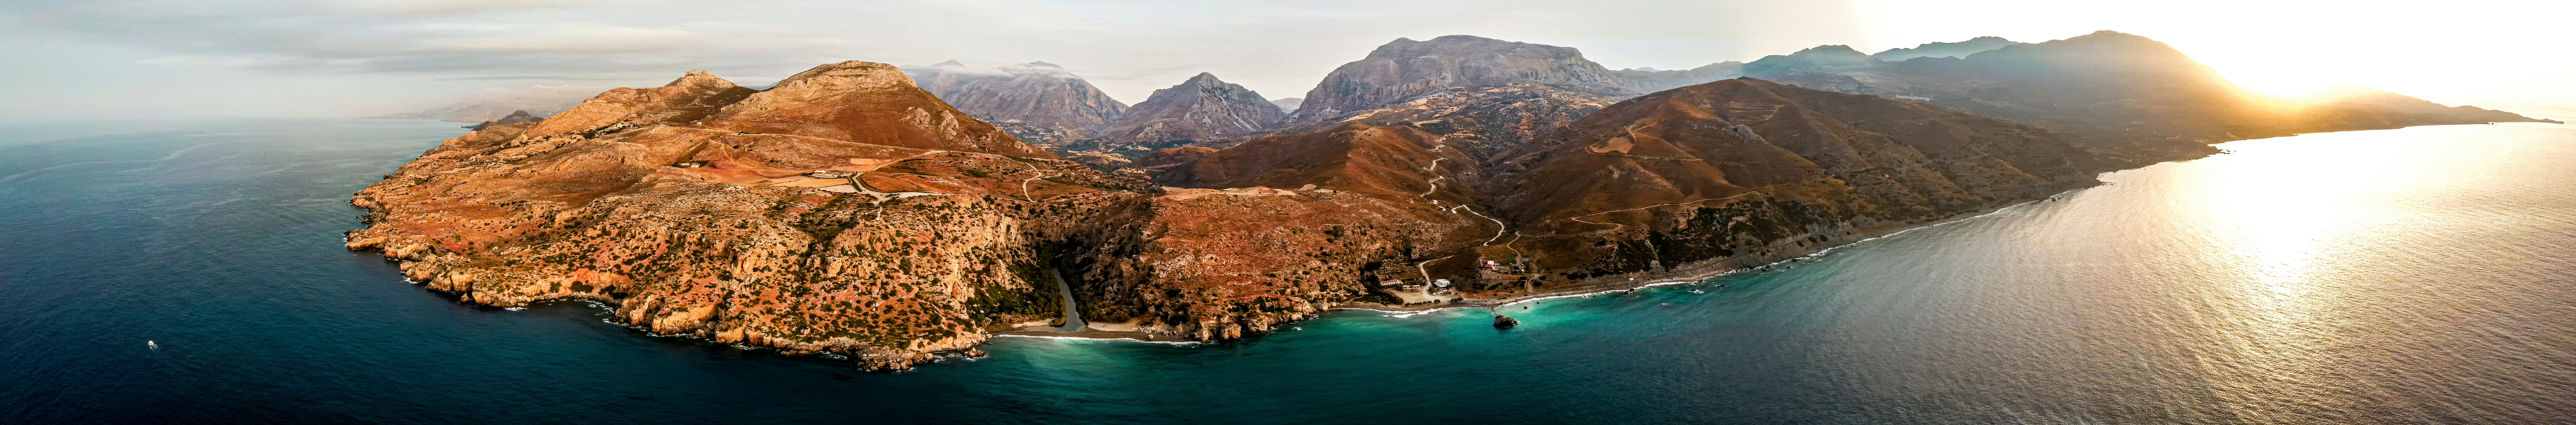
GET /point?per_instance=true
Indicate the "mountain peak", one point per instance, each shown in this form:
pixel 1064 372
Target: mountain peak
pixel 1040 63
pixel 950 62
pixel 1826 57
pixel 700 79
pixel 1202 108
pixel 1404 68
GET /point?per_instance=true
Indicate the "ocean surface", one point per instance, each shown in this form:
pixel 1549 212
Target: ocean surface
pixel 2420 275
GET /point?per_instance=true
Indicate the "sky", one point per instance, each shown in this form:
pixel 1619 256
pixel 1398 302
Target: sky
pixel 311 58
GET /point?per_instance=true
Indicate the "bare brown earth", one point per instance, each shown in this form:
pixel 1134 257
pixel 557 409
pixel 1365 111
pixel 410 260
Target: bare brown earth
pixel 693 220
pixel 689 206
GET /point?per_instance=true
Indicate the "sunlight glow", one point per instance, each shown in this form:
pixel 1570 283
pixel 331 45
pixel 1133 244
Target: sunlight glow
pixel 2471 51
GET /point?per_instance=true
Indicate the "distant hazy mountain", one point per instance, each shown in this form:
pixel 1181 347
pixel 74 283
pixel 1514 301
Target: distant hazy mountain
pixel 1036 93
pixel 1650 80
pixel 489 109
pixel 1956 50
pixel 2135 99
pixel 1288 103
pixel 1201 108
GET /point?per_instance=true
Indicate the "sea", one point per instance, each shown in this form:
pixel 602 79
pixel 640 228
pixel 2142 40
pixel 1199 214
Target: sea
pixel 192 273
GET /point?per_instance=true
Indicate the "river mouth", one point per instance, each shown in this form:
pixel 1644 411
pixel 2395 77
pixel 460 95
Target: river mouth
pixel 1072 306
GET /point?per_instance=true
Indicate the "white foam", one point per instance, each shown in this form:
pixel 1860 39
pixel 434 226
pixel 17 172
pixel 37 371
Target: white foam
pixel 1177 343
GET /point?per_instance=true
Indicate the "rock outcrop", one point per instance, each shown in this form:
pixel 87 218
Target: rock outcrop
pixel 1201 108
pixel 514 117
pixel 1037 94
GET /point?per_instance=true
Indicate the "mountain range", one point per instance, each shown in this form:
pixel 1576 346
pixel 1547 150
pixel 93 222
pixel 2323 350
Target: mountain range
pixel 887 213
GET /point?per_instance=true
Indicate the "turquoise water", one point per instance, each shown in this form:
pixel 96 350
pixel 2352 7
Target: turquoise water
pixel 2419 275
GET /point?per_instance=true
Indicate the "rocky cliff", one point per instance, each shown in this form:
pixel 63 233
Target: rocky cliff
pixel 1036 94
pixel 697 209
pixel 1201 108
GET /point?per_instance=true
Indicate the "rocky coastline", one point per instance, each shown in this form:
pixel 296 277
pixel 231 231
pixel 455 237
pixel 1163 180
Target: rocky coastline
pixel 848 210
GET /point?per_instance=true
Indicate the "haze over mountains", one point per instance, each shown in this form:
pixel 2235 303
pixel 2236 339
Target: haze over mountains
pixel 887 213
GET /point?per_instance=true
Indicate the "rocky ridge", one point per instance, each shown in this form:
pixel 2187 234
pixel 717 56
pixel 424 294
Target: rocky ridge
pixel 1038 94
pixel 1201 108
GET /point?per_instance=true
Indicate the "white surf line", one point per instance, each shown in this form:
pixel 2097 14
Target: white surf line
pixel 1818 253
pixel 1176 343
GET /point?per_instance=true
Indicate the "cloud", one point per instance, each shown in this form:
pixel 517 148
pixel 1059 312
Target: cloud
pixel 1131 46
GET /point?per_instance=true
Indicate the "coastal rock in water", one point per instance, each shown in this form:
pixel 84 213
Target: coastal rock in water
pixel 514 117
pixel 1505 322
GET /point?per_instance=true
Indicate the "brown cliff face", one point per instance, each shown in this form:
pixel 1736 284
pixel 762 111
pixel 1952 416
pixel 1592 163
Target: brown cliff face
pixel 1202 108
pixel 1037 94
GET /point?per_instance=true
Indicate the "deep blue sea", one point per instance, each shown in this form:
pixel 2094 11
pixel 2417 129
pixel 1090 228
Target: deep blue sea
pixel 2420 275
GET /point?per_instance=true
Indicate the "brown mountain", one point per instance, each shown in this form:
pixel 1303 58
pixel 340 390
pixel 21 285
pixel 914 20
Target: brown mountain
pixel 1483 95
pixel 1201 108
pixel 1405 69
pixel 847 210
pixel 695 215
pixel 1038 94
pixel 1741 172
pixel 1387 162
